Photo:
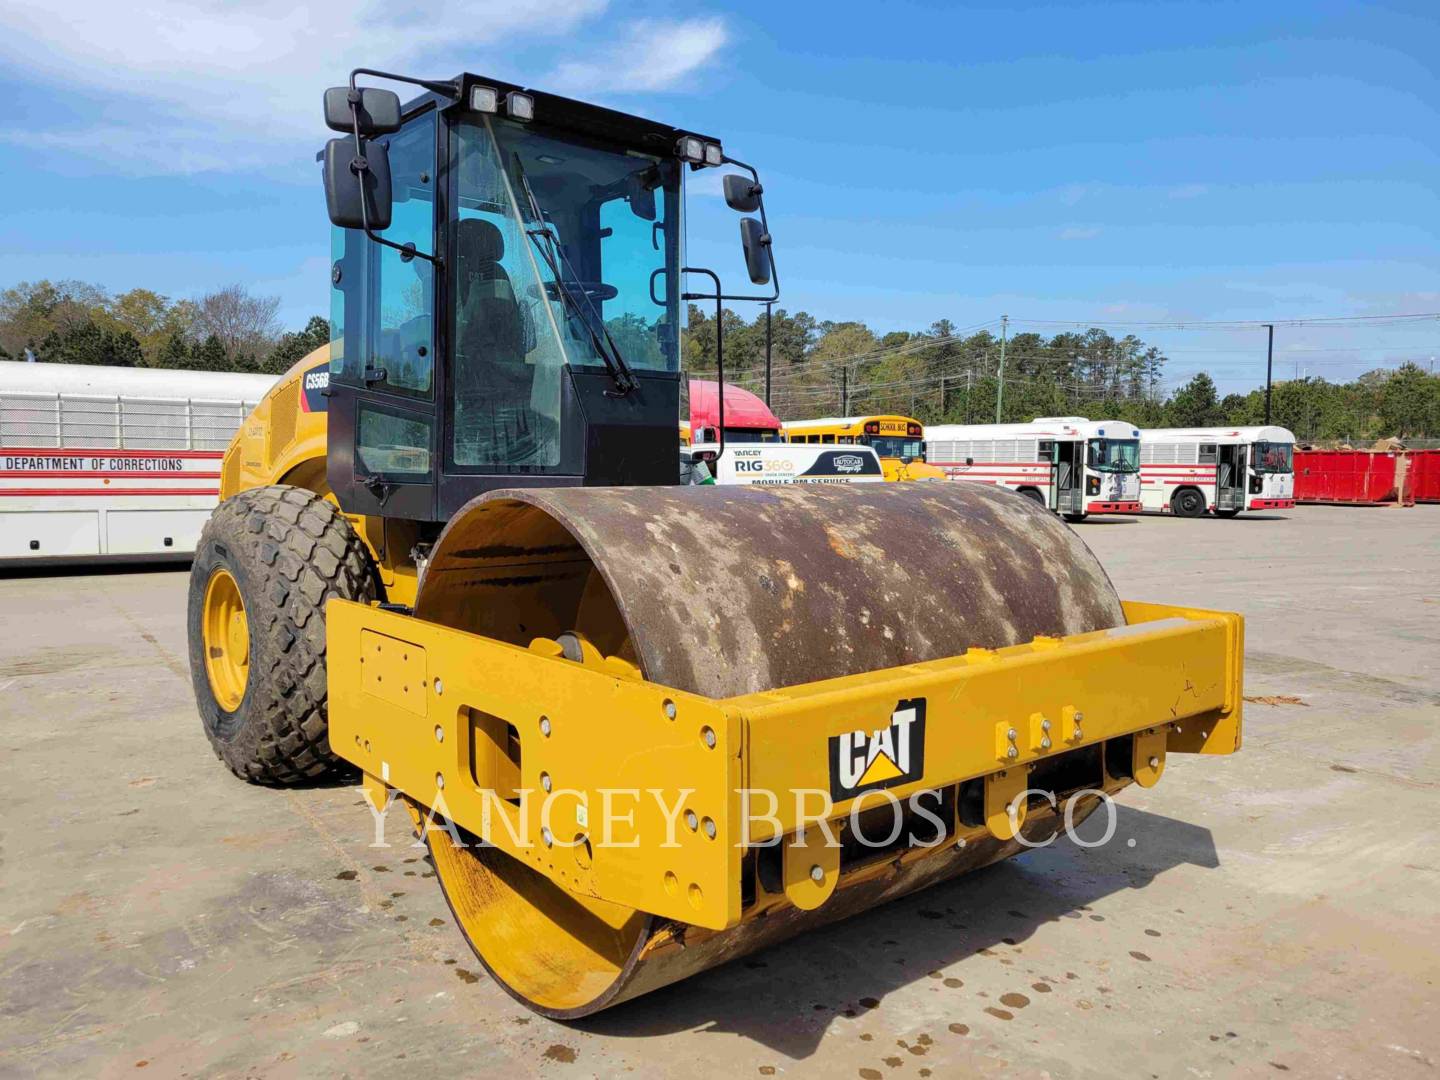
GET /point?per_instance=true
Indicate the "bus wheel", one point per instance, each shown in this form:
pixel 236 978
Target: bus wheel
pixel 267 562
pixel 1033 495
pixel 1187 502
pixel 1075 519
pixel 1226 513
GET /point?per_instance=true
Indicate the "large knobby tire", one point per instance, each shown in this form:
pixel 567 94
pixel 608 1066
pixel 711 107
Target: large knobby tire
pixel 278 554
pixel 1187 502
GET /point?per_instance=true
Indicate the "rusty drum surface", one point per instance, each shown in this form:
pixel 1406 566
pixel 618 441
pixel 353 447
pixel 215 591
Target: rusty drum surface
pixel 728 591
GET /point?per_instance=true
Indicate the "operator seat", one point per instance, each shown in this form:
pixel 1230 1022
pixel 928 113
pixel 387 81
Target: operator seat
pixel 490 321
pixel 496 421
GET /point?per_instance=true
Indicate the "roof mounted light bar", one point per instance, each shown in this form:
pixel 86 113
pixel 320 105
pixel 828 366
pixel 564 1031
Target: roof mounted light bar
pixel 698 152
pixel 518 105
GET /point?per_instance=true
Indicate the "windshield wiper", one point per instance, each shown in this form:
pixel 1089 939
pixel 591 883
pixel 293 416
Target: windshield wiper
pixel 606 349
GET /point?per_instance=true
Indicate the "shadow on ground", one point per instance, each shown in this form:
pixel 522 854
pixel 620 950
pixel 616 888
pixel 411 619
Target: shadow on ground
pixel 786 997
pixel 73 568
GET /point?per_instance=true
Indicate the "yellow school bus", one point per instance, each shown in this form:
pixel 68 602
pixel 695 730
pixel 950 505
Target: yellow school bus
pixel 898 440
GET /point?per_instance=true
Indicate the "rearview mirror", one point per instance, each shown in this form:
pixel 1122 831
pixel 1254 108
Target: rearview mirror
pixel 741 193
pixel 642 198
pixel 378 110
pixel 347 191
pixel 756 243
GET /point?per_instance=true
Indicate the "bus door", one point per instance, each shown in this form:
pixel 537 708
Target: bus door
pixel 1230 478
pixel 1069 476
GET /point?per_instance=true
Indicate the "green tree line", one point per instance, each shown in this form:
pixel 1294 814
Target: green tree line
pixel 820 367
pixel 73 322
pixel 941 375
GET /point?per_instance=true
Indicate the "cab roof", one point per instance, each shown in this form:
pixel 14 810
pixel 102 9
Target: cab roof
pixel 742 408
pixel 553 111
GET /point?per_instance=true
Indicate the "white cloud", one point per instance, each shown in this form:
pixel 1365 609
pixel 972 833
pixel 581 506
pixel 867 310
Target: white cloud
pixel 190 86
pixel 1079 232
pixel 653 55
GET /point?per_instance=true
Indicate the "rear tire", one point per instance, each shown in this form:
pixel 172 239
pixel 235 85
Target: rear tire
pixel 287 551
pixel 1033 494
pixel 1187 502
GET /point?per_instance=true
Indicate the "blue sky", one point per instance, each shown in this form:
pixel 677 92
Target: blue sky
pixel 1096 162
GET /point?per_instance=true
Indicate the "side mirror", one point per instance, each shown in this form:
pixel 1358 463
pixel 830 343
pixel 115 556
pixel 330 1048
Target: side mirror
pixel 378 112
pixel 741 193
pixel 757 249
pixel 347 190
pixel 642 198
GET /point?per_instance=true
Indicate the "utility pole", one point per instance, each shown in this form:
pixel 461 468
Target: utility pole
pixel 969 375
pixel 844 390
pixel 1000 382
pixel 1269 364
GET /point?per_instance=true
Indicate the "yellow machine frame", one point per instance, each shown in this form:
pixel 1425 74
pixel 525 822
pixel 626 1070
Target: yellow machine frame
pixel 479 730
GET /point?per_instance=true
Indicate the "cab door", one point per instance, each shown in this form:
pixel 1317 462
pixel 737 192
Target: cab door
pixel 382 411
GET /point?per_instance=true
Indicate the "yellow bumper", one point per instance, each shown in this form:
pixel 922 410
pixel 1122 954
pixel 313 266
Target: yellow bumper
pixel 647 796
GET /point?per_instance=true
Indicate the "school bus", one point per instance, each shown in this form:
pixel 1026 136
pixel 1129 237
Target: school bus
pixel 898 440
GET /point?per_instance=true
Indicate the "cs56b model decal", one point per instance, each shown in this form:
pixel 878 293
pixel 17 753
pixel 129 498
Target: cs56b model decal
pixel 867 760
pixel 315 382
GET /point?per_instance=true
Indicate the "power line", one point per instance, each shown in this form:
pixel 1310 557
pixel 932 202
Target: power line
pixel 1236 324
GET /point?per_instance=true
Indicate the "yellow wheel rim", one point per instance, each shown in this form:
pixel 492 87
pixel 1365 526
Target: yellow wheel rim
pixel 227 640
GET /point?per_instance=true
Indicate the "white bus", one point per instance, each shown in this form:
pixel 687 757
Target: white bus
pixel 1070 464
pixel 1221 471
pixel 113 463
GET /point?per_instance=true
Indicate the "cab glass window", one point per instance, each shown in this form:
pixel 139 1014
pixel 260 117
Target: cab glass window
pixel 404 287
pixel 392 444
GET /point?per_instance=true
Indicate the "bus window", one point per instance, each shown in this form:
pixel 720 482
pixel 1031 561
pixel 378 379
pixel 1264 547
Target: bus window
pixel 827 438
pixel 1208 453
pixel 1271 457
pixel 897 446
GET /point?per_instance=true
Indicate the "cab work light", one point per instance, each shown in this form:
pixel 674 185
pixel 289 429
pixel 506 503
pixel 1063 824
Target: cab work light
pixel 713 154
pixel 691 149
pixel 484 99
pixel 520 106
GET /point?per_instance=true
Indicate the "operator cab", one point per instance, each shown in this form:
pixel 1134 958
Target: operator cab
pixel 508 292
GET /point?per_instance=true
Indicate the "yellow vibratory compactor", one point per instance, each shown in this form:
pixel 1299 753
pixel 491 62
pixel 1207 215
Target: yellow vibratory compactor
pixel 643 728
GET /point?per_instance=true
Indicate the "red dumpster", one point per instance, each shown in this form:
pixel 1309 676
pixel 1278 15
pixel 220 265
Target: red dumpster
pixel 1359 477
pixel 1422 480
